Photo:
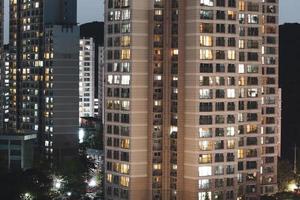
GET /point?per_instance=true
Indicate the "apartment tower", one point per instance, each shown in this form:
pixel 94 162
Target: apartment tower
pixel 44 74
pixel 91 69
pixel 191 99
pixel 87 77
pixel 1 62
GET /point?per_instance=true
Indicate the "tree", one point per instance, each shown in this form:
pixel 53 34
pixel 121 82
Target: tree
pixel 75 174
pixel 18 184
pixel 285 174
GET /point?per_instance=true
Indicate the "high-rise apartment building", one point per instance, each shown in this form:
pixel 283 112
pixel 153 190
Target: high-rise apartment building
pixel 5 87
pixel 191 99
pixel 44 73
pixel 87 77
pixel 91 69
pixel 101 79
pixel 1 61
pixel 90 96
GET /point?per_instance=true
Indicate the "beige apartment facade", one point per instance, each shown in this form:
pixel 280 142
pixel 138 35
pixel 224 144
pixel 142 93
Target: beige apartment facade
pixel 191 99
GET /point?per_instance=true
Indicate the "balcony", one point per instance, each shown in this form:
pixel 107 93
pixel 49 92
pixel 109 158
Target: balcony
pixel 158 18
pixel 157 96
pixel 157 109
pixel 157 147
pixel 158 44
pixel 157 83
pixel 156 173
pixel 157 160
pixel 157 122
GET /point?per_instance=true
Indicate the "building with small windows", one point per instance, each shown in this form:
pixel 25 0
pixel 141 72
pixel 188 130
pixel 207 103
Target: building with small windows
pixel 87 78
pixel 5 87
pixel 2 68
pixel 17 151
pixel 44 75
pixel 91 61
pixel 191 99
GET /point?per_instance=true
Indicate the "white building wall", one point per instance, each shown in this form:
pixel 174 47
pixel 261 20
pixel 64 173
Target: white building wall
pixel 87 78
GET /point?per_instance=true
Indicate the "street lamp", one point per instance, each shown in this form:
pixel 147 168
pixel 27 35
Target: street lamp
pixel 81 135
pixel 26 196
pixel 57 183
pixel 292 186
pixel 92 183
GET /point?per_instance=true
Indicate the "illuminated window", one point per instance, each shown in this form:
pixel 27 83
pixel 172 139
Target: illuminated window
pixel 109 178
pixel 230 144
pixel 206 54
pixel 203 195
pixel 125 80
pixel 205 145
pixel 241 68
pixel 125 14
pixel 230 131
pixel 206 41
pixel 206 2
pixel 241 5
pixel 125 105
pixel 175 52
pixel 205 158
pixel 231 15
pixel 125 143
pixel 205 132
pixel 205 94
pixel 125 41
pixel 158 12
pixel 156 166
pixel 241 154
pixel 110 79
pixel 124 181
pixel 230 93
pixel 204 184
pixel 205 171
pixel 252 128
pixel 231 55
pixel 125 54
pixel 124 168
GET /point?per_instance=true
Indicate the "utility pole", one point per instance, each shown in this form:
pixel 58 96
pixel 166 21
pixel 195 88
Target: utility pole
pixel 295 159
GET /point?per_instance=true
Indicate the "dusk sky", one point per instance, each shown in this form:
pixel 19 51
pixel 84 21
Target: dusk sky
pixel 89 10
pixel 92 10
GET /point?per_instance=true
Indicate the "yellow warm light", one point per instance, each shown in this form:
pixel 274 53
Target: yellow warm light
pixel 292 186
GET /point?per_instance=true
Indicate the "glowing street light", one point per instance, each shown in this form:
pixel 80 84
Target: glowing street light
pixel 26 196
pixel 57 183
pixel 92 183
pixel 292 186
pixel 81 135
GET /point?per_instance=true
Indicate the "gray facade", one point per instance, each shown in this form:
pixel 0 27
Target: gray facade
pixel 61 42
pixel 1 62
pixel 44 74
pixel 60 12
pixel 16 151
pixel 101 91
